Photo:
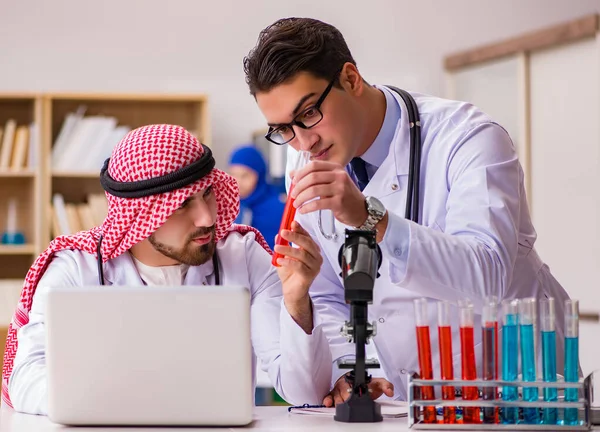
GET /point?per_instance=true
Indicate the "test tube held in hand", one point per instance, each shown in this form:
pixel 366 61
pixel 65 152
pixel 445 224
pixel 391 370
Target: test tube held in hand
pixel 530 394
pixel 548 325
pixel 289 212
pixel 424 351
pixel 469 367
pixel 446 366
pixel 489 331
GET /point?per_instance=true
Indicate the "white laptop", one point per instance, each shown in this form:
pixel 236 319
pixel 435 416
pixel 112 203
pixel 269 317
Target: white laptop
pixel 178 356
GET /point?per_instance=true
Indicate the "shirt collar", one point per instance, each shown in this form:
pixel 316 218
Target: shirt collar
pixel 379 150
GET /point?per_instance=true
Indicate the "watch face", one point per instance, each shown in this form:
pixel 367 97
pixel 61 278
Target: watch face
pixel 375 207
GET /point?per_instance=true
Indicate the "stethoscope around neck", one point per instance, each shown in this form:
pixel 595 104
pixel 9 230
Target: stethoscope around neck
pixel 215 261
pixel 414 173
pixel 155 186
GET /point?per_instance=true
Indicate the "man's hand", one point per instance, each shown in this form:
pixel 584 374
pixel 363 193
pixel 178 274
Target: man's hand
pixel 340 392
pixel 336 191
pixel 297 270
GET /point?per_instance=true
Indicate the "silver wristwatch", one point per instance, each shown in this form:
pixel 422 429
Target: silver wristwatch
pixel 376 212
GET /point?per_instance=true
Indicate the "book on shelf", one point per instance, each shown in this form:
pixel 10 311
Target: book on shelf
pixel 73 218
pixel 18 146
pixel 85 142
pixel 20 149
pixel 32 154
pixel 86 216
pixel 70 218
pixel 8 138
pixel 1 139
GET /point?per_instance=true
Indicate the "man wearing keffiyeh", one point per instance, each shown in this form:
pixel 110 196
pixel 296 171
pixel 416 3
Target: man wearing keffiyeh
pixel 170 222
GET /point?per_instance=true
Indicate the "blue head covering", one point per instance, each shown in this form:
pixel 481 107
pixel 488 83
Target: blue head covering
pixel 264 201
pixel 251 157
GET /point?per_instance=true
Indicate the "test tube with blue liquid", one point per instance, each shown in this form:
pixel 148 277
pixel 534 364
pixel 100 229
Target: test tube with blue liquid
pixel 530 394
pixel 510 358
pixel 548 327
pixel 571 358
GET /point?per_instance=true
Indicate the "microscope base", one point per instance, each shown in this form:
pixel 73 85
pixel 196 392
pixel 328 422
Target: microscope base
pixel 358 409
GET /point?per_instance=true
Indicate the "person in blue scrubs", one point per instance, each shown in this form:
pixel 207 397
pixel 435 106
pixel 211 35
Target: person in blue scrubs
pixel 261 205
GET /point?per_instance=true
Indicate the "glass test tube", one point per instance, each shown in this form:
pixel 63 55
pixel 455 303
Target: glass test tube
pixel 424 350
pixel 571 358
pixel 530 394
pixel 469 367
pixel 510 358
pixel 489 331
pixel 548 327
pixel 289 211
pixel 446 365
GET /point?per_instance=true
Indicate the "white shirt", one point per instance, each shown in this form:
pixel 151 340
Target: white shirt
pixel 299 365
pixel 172 275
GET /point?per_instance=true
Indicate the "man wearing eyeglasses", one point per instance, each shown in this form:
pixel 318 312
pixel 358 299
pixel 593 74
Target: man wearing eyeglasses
pixel 474 237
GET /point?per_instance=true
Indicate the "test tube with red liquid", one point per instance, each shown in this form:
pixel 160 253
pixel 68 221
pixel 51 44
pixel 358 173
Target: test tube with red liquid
pixel 424 351
pixel 289 212
pixel 446 364
pixel 489 336
pixel 469 368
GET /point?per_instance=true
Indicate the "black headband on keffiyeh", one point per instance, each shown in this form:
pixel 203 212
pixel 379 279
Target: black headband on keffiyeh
pixel 166 183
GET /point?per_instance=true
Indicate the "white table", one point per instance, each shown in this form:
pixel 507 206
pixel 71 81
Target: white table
pixel 266 419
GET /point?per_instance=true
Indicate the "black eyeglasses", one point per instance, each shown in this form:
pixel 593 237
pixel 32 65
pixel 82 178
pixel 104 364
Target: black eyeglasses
pixel 310 117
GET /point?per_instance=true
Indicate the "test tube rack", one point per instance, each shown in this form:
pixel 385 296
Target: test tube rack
pixel 415 419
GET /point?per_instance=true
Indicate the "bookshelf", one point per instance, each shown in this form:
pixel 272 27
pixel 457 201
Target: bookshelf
pixel 74 177
pixel 20 182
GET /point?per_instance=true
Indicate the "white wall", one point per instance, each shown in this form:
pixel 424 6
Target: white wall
pixel 198 46
pixel 565 165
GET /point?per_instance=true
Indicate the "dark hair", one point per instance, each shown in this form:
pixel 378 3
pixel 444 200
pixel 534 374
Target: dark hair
pixel 293 45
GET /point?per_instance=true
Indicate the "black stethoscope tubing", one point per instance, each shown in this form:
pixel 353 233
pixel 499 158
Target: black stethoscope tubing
pixel 414 172
pixel 215 260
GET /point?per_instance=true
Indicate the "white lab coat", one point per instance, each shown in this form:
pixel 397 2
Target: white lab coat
pixel 475 238
pixel 299 365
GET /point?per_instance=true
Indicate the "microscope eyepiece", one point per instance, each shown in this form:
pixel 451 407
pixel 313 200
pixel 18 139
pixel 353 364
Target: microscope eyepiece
pixel 360 259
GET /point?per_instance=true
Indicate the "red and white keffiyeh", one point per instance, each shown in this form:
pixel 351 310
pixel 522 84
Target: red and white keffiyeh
pixel 144 153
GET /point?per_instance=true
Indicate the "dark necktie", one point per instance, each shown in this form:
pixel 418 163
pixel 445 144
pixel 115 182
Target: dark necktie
pixel 359 167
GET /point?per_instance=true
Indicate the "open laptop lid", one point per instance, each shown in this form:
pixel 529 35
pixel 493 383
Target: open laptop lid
pixel 149 355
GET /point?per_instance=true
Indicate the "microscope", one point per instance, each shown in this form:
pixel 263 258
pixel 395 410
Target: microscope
pixel 360 259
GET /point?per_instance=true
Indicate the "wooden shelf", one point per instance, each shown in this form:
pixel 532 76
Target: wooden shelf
pixel 33 188
pixel 548 37
pixel 25 249
pixel 76 175
pixel 133 97
pixel 133 110
pixel 24 186
pixel 19 95
pixel 75 180
pixel 17 174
